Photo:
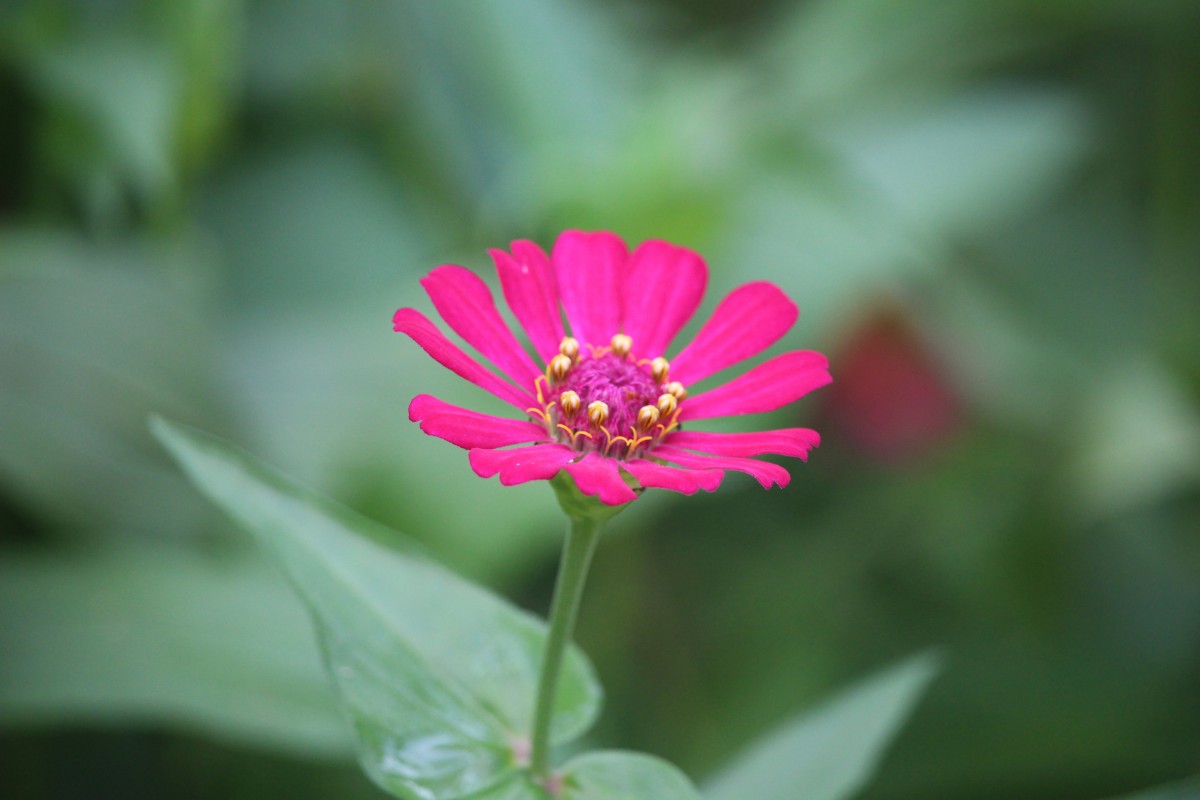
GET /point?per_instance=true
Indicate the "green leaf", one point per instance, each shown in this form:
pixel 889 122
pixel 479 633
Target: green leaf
pixel 132 320
pixel 161 635
pixel 829 753
pixel 619 775
pixel 1188 790
pixel 437 675
pixel 958 167
pixel 606 775
pixel 1157 453
pixel 126 88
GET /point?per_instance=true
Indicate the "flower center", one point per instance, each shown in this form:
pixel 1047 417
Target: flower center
pixel 607 400
pixel 620 384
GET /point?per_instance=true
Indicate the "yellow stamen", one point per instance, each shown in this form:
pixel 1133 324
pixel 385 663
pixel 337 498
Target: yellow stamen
pixel 560 367
pixel 569 347
pixel 598 413
pixel 613 440
pixel 647 417
pixel 660 368
pixel 573 434
pixel 676 388
pixel 621 344
pixel 667 404
pixel 569 402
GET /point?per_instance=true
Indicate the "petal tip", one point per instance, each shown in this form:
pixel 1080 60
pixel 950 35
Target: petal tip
pixel 780 479
pixel 419 407
pixel 712 480
pixel 481 464
pixel 402 318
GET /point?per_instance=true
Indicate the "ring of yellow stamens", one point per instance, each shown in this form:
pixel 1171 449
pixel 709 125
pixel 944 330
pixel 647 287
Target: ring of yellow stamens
pixel 559 367
pixel 648 402
pixel 660 368
pixel 597 413
pixel 667 404
pixel 675 388
pixel 569 347
pixel 569 402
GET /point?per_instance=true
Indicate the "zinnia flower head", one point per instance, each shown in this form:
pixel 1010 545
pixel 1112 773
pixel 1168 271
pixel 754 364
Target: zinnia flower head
pixel 604 398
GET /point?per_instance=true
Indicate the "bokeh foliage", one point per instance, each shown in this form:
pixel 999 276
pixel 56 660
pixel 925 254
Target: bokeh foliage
pixel 210 208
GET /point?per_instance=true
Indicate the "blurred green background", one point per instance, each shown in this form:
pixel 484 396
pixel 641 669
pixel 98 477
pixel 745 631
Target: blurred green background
pixel 988 212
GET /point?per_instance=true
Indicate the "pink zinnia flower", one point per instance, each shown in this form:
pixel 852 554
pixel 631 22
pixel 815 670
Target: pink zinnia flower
pixel 605 399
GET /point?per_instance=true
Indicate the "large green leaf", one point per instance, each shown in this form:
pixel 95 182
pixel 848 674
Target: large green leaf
pixel 437 675
pixel 830 753
pixel 162 635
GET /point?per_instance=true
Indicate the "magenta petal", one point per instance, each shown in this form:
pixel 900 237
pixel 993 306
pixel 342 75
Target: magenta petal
pixel 469 429
pixel 794 442
pixel 663 289
pixel 764 472
pixel 750 319
pixel 590 269
pixel 540 462
pixel 465 302
pixel 686 481
pixel 418 327
pixel 771 385
pixel 598 476
pixel 527 278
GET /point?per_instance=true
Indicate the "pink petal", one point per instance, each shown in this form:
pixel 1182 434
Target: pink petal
pixel 590 268
pixel 750 319
pixel 598 476
pixel 527 278
pixel 764 472
pixel 465 302
pixel 663 289
pixel 686 481
pixel 771 385
pixel 469 429
pixel 418 327
pixel 794 442
pixel 540 462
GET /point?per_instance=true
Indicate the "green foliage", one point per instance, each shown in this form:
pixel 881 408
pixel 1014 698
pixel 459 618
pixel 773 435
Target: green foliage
pixel 94 336
pixel 436 675
pixel 828 754
pixel 160 635
pixel 210 208
pixel 615 775
pixel 1189 790
pixel 605 775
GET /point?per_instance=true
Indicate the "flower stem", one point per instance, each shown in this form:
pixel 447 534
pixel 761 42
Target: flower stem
pixel 580 544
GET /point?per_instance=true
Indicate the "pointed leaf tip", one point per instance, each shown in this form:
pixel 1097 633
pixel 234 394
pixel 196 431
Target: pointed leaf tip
pixel 830 752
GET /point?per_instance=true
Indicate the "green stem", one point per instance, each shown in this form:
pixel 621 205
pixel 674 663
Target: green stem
pixel 580 544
